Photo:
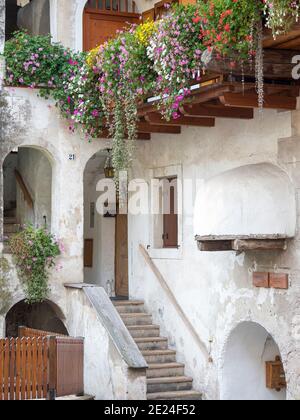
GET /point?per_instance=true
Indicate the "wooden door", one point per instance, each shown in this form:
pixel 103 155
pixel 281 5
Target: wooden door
pixel 100 26
pixel 121 257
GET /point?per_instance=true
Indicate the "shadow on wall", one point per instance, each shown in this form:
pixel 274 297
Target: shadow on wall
pixel 248 349
pixel 42 316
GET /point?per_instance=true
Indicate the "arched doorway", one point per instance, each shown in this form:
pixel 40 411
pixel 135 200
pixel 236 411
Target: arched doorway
pixel 27 189
pixel 105 235
pixel 103 18
pixel 44 316
pixel 248 349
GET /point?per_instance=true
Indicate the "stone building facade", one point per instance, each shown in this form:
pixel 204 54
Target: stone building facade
pixel 238 179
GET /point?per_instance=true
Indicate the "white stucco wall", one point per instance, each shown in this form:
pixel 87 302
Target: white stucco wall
pixel 215 289
pixel 252 200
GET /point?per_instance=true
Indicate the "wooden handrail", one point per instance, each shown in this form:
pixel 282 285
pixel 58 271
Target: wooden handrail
pixel 174 301
pixel 24 189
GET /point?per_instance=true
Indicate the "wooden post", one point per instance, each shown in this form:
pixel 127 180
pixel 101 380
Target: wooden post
pixel 52 369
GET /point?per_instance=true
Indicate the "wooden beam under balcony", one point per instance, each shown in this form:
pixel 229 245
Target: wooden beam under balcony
pixel 251 100
pixel 145 127
pixel 221 111
pixel 156 118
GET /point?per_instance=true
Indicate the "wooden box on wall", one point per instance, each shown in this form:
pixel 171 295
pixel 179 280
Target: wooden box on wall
pixel 275 375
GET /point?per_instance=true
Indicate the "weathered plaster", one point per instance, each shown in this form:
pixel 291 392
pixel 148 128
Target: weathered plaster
pixel 215 289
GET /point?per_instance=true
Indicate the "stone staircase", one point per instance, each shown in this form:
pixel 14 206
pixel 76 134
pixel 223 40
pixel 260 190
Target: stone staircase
pixel 10 227
pixel 165 377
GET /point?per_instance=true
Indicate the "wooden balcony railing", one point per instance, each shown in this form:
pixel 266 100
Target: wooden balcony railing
pixel 121 6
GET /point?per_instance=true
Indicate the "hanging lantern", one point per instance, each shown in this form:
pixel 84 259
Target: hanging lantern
pixel 108 167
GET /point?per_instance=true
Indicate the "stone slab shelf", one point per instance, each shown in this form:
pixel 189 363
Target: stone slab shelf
pixel 242 243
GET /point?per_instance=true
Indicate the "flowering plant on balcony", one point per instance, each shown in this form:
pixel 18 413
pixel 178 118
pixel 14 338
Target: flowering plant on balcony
pixel 78 98
pixel 126 78
pixel 281 15
pixel 229 26
pixel 175 49
pixel 33 61
pixel 35 251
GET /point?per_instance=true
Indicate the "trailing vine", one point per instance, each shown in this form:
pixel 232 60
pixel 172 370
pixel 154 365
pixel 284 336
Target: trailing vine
pixel 34 251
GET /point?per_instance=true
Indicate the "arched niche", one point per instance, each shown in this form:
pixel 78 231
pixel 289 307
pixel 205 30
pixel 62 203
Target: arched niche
pixel 256 201
pixel 27 173
pixel 243 374
pixel 45 316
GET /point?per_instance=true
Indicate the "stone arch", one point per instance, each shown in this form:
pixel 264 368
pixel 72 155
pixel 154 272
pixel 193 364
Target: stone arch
pixel 46 316
pixel 45 163
pixel 242 373
pixel 100 230
pixel 251 200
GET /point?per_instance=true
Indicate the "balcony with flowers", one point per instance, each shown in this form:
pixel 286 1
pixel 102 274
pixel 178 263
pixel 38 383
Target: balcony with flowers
pixel 191 65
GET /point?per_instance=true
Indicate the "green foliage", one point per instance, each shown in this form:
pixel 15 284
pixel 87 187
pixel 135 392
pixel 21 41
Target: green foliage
pixel 33 61
pixel 34 251
pixel 5 295
pixel 104 88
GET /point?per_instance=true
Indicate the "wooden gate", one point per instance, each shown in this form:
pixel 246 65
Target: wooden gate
pixel 41 367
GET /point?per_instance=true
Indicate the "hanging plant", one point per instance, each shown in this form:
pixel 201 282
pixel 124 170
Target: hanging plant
pixel 175 49
pixel 35 251
pixel 281 15
pixel 126 78
pixel 78 98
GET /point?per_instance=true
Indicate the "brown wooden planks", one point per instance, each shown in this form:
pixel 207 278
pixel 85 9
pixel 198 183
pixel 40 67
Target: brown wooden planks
pixel 12 369
pixel 2 342
pixel 18 369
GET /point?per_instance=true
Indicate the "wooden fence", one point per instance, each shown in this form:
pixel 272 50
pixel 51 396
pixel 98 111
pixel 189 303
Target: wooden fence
pixel 41 367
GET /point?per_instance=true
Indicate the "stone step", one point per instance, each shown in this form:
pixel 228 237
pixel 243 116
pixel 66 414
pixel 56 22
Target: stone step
pixel 159 356
pixel 163 370
pixel 127 302
pixel 139 331
pixel 177 383
pixel 123 309
pixel 152 343
pixel 11 228
pixel 175 395
pixel 139 318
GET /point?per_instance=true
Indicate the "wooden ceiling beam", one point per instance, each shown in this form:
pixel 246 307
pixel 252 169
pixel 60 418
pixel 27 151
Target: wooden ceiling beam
pixel 145 127
pixel 219 111
pixel 156 118
pixel 251 100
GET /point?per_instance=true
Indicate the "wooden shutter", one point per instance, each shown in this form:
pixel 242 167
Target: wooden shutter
pixel 170 220
pixel 88 252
